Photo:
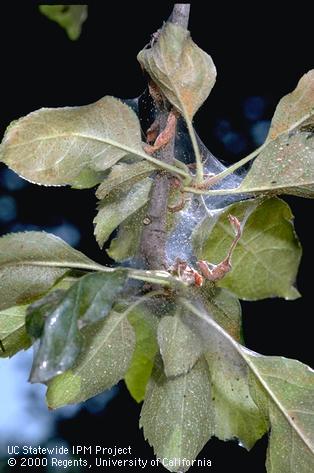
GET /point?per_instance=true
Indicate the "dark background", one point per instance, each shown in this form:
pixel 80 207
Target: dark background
pixel 259 56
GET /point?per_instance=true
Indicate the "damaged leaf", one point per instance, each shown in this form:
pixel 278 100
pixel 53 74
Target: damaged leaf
pixel 286 165
pixel 282 389
pixel 294 106
pixel 118 206
pixel 184 73
pixel 180 347
pixel 176 416
pixel 71 145
pixel 31 263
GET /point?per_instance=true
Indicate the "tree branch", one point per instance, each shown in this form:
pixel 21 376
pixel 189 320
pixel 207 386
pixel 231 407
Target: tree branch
pixel 154 235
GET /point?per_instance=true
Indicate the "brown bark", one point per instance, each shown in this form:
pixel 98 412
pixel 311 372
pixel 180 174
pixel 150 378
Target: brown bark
pixel 154 235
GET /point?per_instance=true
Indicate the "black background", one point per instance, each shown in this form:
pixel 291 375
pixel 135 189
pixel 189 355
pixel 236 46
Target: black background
pixel 256 52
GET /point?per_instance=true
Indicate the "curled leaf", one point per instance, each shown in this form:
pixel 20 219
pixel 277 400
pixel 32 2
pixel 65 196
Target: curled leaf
pixel 184 73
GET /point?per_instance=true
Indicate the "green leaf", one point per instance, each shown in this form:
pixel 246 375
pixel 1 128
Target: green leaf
pixel 235 414
pixel 39 311
pixel 144 323
pixel 126 244
pixel 124 175
pixel 294 106
pixel 13 336
pixel 184 73
pixel 89 300
pixel 31 263
pixel 118 206
pixel 176 415
pixel 286 165
pixel 180 347
pixel 63 145
pixel 268 237
pixel 225 309
pixel 69 17
pixel 105 357
pixel 284 391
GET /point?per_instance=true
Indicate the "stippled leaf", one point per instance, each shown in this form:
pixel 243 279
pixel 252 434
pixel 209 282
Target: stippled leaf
pixel 282 389
pixel 184 73
pixel 268 238
pixel 294 106
pixel 126 244
pixel 144 323
pixel 235 415
pixel 225 309
pixel 286 165
pixel 104 359
pixel 89 300
pixel 124 175
pixel 69 17
pixel 118 206
pixel 13 336
pixel 176 415
pixel 180 347
pixel 31 263
pixel 71 145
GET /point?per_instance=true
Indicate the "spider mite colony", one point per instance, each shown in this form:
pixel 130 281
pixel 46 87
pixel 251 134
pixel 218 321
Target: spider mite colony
pixel 189 239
